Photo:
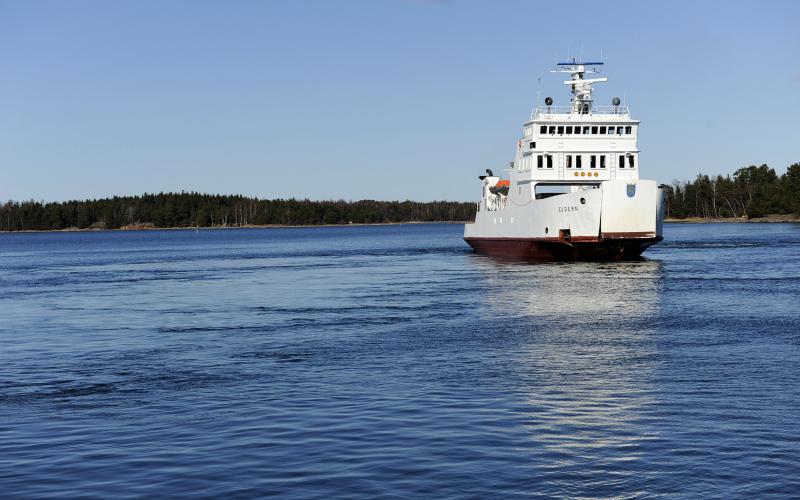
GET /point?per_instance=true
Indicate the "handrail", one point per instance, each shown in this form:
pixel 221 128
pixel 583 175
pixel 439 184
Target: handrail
pixel 567 110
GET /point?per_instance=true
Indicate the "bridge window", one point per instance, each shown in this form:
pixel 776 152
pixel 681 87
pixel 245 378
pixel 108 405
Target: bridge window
pixel 533 145
pixel 569 130
pixel 593 161
pixel 603 130
pixel 560 130
pixel 628 130
pixel 549 161
pixel 619 130
pixel 569 161
pixel 577 129
pixel 578 159
pixel 586 130
pixel 630 161
pixel 552 129
pixel 539 161
pixel 543 129
pixel 602 161
pixel 621 161
pixel 610 130
pixel 594 130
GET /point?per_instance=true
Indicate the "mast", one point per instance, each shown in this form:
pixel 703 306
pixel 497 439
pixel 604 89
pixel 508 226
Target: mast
pixel 581 88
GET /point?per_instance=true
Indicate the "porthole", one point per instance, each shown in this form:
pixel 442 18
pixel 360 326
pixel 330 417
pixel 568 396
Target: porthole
pixel 583 201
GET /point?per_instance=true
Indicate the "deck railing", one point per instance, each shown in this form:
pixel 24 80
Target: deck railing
pixel 544 111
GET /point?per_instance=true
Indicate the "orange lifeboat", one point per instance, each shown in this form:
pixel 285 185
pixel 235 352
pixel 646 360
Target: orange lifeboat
pixel 500 188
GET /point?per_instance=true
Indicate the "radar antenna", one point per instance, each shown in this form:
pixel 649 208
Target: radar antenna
pixel 581 88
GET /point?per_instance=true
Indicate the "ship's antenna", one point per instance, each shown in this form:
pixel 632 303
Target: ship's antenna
pixel 538 90
pixel 581 56
pixel 538 96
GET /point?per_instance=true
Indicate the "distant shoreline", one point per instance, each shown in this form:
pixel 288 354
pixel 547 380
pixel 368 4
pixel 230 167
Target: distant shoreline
pixel 144 227
pixel 736 220
pixel 190 210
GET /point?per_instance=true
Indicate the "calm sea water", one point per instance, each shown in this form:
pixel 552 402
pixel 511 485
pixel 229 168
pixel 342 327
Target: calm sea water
pixel 392 362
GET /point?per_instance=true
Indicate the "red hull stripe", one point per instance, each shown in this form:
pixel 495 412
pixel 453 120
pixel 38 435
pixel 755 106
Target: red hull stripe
pixel 555 249
pixel 628 235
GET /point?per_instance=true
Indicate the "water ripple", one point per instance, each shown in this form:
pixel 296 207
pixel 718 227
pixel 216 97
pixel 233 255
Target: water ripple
pixel 391 362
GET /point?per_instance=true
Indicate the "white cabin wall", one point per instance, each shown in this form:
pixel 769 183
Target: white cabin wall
pixel 559 145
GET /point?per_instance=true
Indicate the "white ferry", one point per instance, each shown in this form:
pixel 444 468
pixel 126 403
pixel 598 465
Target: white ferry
pixel 573 191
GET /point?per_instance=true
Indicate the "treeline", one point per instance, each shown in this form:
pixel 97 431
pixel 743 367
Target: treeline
pixel 750 192
pixel 204 210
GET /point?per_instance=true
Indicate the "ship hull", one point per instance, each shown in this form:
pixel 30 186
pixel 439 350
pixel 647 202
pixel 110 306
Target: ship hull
pixel 553 249
pixel 617 220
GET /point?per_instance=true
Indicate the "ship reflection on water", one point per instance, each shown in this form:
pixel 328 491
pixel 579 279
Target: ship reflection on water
pixel 626 290
pixel 585 352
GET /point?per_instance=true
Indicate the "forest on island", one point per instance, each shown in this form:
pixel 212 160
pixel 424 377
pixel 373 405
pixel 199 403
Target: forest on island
pixel 205 210
pixel 750 192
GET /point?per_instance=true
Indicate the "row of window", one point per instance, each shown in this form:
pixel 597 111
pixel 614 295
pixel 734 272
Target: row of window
pixel 598 161
pixel 585 130
pixel 577 161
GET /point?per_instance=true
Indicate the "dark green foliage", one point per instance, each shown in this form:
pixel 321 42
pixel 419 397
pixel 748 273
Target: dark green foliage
pixel 751 192
pixel 205 210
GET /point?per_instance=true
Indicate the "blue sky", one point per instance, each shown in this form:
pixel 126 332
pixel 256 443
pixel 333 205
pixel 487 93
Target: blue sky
pixel 381 99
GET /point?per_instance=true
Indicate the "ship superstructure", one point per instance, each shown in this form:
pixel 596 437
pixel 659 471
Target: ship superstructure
pixel 573 190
